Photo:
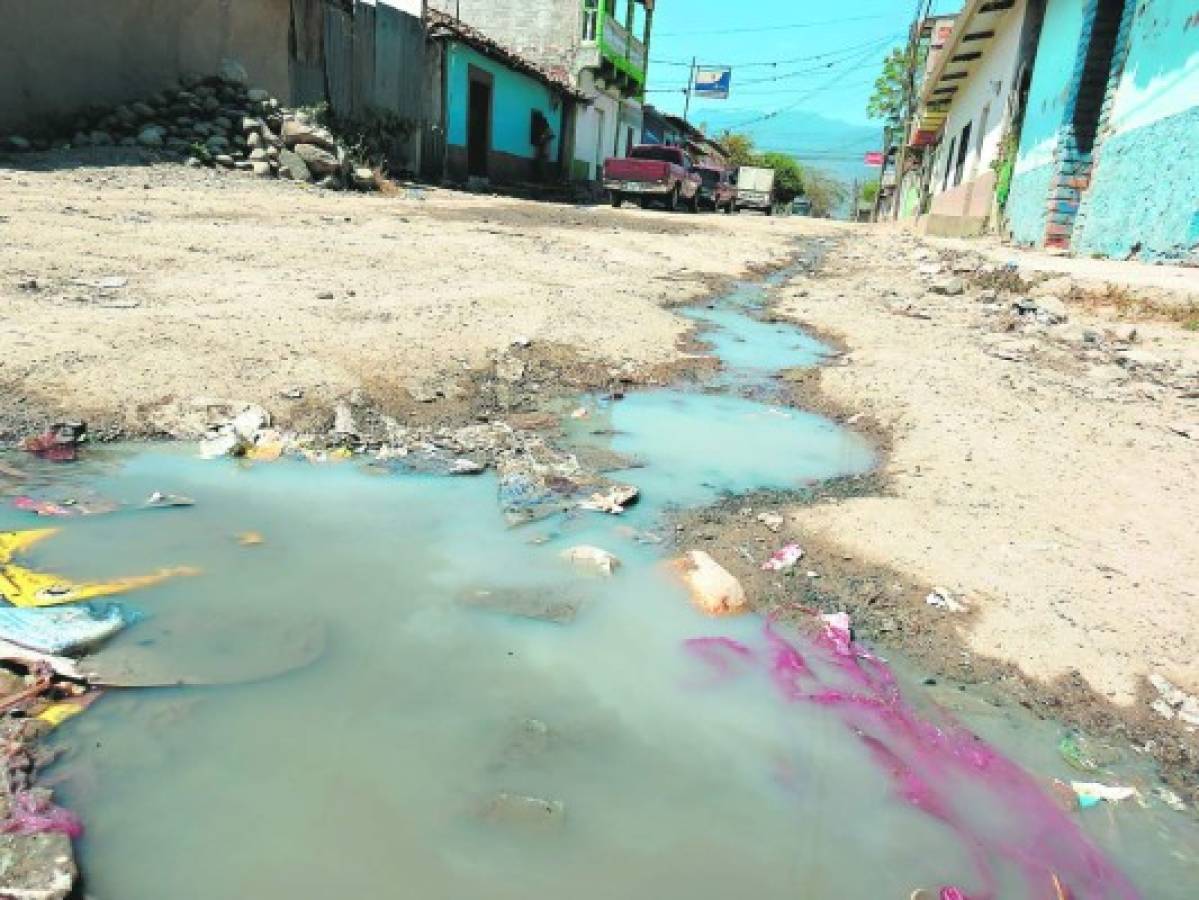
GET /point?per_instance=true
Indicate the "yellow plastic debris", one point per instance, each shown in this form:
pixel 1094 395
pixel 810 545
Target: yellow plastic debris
pixel 250 539
pixel 57 713
pixel 24 587
pixel 13 542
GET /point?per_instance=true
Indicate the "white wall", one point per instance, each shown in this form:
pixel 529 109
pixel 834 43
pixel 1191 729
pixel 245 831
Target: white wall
pixel 595 132
pixel 998 66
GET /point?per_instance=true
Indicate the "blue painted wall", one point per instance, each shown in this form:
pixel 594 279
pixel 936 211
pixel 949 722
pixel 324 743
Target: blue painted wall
pixel 1045 115
pixel 1144 193
pixel 514 97
pixel 1143 197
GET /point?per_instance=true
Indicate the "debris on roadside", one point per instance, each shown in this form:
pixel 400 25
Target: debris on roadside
pixel 595 559
pixel 772 520
pixel 24 587
pixel 63 631
pixel 612 501
pixel 941 598
pixel 784 558
pixel 714 590
pixel 1092 793
pixel 160 500
pixel 1173 702
pixel 1085 755
pixel 58 443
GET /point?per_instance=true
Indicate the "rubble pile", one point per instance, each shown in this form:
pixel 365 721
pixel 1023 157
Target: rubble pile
pixel 217 121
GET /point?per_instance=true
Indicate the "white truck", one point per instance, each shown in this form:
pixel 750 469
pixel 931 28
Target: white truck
pixel 755 189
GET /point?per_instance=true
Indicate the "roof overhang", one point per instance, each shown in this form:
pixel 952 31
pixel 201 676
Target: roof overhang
pixel 972 37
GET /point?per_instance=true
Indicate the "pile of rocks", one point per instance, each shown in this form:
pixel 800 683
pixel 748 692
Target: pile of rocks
pixel 218 121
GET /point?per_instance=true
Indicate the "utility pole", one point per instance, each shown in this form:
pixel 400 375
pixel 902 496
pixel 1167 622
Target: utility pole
pixel 908 109
pixel 690 88
pixel 857 196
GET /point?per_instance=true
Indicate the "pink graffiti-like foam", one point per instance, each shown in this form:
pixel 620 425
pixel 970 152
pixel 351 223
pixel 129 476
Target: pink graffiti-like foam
pixel 922 760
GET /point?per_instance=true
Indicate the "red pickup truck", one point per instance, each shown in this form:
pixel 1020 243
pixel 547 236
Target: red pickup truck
pixel 653 173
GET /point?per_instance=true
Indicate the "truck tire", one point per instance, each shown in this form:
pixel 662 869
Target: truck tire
pixel 730 208
pixel 672 199
pixel 769 210
pixel 693 204
pixel 617 199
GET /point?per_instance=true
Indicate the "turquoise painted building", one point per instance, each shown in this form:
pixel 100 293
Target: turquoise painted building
pixel 1108 160
pixel 500 116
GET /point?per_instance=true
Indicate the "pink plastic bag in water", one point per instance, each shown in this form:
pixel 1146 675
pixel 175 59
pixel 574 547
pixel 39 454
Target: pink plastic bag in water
pixel 34 815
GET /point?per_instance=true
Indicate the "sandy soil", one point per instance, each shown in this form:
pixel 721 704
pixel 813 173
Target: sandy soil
pixel 243 289
pixel 1042 475
pixel 1037 476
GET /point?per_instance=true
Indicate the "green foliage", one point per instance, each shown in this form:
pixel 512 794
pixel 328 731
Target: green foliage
pixel 374 137
pixel 890 87
pixel 792 178
pixel 870 190
pixel 740 147
pixel 824 192
pixel 788 174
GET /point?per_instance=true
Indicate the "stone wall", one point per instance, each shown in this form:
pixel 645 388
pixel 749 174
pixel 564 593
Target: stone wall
pixel 58 56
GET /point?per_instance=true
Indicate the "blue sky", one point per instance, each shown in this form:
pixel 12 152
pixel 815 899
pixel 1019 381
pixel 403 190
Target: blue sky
pixel 824 61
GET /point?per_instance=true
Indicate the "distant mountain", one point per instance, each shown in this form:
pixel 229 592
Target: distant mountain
pixel 837 147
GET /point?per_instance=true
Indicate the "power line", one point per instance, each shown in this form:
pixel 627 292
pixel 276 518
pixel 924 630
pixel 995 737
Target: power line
pixel 791 27
pixel 782 62
pixel 829 84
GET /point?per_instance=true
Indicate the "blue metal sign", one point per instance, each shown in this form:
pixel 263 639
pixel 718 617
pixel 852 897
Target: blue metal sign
pixel 713 82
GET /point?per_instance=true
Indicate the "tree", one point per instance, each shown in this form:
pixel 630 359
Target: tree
pixel 870 190
pixel 824 192
pixel 788 174
pixel 740 147
pixel 891 87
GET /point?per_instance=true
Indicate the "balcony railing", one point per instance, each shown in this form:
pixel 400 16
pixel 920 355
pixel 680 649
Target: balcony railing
pixel 622 49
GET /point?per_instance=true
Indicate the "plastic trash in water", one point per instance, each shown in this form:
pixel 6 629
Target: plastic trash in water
pixel 58 443
pixel 1092 793
pixel 160 500
pixel 594 558
pixel 43 507
pixel 32 813
pixel 250 539
pixel 23 587
pixel 62 631
pixel 926 758
pixel 783 558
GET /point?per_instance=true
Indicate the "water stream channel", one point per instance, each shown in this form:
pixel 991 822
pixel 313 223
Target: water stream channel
pixel 677 756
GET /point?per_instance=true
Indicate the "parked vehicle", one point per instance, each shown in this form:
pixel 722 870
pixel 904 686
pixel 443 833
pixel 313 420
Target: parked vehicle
pixel 653 174
pixel 716 189
pixel 755 189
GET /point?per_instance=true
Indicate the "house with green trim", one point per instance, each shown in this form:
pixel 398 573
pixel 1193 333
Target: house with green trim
pixel 601 47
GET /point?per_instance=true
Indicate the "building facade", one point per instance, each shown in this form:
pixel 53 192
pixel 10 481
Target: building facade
pixel 600 46
pixel 1108 160
pixel 967 111
pixel 498 116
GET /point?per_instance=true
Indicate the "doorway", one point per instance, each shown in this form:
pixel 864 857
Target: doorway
pixel 478 123
pixel 600 147
pixel 1096 69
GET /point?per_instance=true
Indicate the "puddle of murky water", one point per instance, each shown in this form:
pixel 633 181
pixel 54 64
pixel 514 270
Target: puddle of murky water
pixel 671 768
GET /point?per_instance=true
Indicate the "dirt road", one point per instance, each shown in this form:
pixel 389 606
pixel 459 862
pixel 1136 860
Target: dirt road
pixel 130 290
pixel 1044 473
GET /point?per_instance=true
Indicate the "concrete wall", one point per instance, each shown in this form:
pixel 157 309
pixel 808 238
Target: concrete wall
pixel 1048 107
pixel 1143 197
pixel 544 31
pixel 58 56
pixel 595 135
pixel 514 97
pixel 982 102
